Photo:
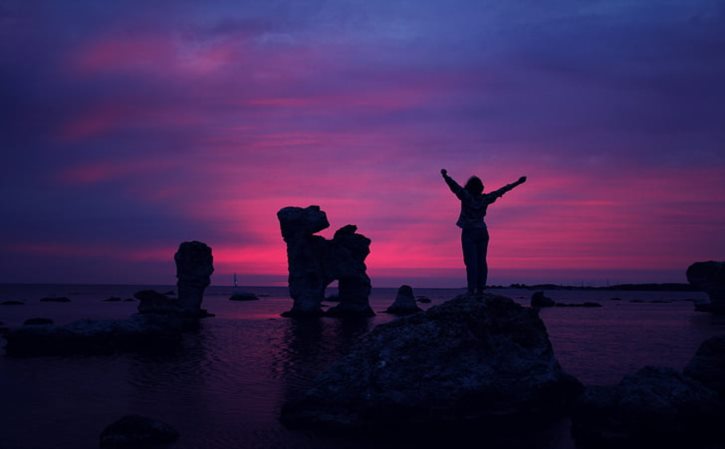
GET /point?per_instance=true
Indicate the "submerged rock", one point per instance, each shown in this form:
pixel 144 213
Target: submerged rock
pixel 12 303
pixel 243 296
pixel 709 277
pixel 655 407
pixel 314 262
pixel 134 431
pixel 423 299
pixel 37 321
pixel 55 299
pixel 581 304
pixel 468 359
pixel 404 302
pixel 708 364
pixel 538 300
pixel 138 333
pixel 113 299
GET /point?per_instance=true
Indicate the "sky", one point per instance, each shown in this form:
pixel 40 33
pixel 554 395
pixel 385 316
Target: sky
pixel 127 127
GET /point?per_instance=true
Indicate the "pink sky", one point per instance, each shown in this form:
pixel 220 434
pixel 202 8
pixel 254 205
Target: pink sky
pixel 130 131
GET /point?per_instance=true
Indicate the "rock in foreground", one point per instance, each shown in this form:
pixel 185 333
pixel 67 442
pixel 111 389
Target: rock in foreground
pixel 134 431
pixel 655 407
pixel 468 359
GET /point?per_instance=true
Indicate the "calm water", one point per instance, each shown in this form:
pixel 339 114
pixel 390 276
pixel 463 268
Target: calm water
pixel 226 384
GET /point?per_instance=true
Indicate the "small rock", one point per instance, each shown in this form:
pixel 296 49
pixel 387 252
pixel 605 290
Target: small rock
pixel 55 299
pixel 243 296
pixel 423 299
pixel 170 293
pixel 129 300
pixel 404 302
pixel 583 304
pixel 113 299
pixel 538 300
pixel 37 321
pixel 12 303
pixel 615 299
pixel 133 431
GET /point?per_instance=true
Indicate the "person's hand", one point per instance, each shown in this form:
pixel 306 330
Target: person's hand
pixel 522 180
pixel 444 171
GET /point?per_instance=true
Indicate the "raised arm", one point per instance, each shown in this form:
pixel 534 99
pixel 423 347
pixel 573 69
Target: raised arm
pixel 499 193
pixel 453 185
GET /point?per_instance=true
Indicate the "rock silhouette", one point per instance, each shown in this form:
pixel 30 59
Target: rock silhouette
pixel 314 262
pixel 538 300
pixel 655 407
pixel 194 266
pixel 404 302
pixel 710 278
pixel 157 326
pixel 469 359
pixel 708 364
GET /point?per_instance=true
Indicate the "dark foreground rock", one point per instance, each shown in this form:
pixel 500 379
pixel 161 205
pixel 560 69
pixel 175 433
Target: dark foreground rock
pixel 709 277
pixel 138 333
pixel 655 407
pixel 405 303
pixel 708 364
pixel 134 431
pixel 469 359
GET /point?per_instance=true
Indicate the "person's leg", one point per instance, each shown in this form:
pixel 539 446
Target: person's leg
pixel 469 257
pixel 482 266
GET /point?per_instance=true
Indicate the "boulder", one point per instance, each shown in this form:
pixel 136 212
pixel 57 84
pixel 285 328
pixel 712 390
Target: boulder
pixel 150 332
pixel 708 364
pixel 194 266
pixel 655 407
pixel 404 302
pixel 314 262
pixel 134 431
pixel 37 321
pixel 469 359
pixel 243 296
pixel 538 300
pixel 151 301
pixel 709 277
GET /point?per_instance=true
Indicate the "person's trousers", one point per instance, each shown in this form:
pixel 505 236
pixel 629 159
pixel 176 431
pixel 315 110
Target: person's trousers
pixel 475 246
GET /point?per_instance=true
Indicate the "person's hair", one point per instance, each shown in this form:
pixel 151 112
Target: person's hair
pixel 474 185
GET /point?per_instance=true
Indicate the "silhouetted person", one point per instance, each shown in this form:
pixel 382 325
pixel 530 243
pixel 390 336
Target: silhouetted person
pixel 474 237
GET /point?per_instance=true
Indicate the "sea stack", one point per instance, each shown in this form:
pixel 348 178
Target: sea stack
pixel 314 262
pixel 709 277
pixel 194 266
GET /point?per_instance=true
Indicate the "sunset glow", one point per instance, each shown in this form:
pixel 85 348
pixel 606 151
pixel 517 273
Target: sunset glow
pixel 128 128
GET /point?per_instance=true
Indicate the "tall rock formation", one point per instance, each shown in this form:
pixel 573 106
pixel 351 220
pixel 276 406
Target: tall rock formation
pixel 314 262
pixel 710 278
pixel 194 266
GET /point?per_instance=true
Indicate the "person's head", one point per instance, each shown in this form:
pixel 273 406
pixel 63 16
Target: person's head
pixel 474 185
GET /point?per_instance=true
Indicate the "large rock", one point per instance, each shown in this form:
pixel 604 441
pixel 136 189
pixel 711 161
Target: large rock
pixel 538 300
pixel 134 431
pixel 194 266
pixel 314 262
pixel 138 333
pixel 710 278
pixel 708 365
pixel 655 407
pixel 405 303
pixel 470 358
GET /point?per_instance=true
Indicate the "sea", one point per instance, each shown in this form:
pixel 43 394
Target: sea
pixel 224 387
